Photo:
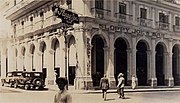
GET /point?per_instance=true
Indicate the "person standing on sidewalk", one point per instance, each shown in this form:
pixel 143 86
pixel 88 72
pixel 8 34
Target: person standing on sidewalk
pixel 104 85
pixel 133 84
pixel 120 86
pixel 62 96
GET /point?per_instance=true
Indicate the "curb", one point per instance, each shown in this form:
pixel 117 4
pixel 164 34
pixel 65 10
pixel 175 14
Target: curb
pixel 125 90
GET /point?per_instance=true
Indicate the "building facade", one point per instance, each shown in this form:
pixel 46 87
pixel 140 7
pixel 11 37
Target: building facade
pixel 133 37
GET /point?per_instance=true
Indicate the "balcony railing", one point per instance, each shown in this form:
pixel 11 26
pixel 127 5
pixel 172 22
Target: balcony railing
pixel 124 18
pixel 163 26
pixel 144 22
pixel 100 13
pixel 176 28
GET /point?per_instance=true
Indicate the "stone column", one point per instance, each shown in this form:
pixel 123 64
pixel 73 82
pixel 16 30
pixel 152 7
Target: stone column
pixel 169 77
pixel 133 68
pixel 148 66
pixel 111 62
pixel 27 58
pixel 129 66
pixel 83 78
pixel 50 63
pixel 152 71
pixel 165 61
pixel 20 60
pixel 106 49
pixel 3 63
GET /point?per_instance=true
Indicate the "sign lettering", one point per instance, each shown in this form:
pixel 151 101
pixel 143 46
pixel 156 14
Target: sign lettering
pixel 66 16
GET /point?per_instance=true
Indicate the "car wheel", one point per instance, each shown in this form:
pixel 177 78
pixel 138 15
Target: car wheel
pixel 16 85
pixel 37 82
pixel 11 84
pixel 26 87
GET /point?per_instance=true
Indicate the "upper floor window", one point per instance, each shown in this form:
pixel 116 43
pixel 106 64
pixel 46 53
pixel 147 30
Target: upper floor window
pixel 122 8
pixel 143 13
pixel 177 21
pixel 31 19
pixel 163 18
pixel 99 4
pixel 14 2
pixel 41 14
pixel 14 28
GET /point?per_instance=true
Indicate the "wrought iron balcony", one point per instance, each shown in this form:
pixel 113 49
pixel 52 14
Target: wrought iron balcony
pixel 163 26
pixel 176 28
pixel 144 22
pixel 100 13
pixel 124 18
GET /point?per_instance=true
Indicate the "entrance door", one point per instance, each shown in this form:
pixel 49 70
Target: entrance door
pixel 71 74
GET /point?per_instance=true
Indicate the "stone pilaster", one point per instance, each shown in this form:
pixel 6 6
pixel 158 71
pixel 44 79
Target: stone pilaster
pixel 110 71
pixel 153 80
pixel 129 69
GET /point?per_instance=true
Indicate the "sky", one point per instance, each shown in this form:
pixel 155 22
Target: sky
pixel 5 24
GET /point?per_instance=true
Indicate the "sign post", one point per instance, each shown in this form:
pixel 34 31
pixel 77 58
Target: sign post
pixel 68 18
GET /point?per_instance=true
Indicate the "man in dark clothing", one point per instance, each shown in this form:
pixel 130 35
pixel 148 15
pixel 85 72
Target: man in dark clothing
pixel 104 85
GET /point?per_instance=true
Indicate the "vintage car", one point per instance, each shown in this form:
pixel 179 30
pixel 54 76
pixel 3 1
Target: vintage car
pixel 11 77
pixel 28 80
pixel 32 80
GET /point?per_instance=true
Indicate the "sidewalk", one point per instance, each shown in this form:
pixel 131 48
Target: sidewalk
pixel 148 89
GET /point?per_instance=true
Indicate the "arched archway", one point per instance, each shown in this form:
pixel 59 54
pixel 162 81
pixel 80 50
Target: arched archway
pixel 97 59
pixel 160 64
pixel 23 51
pixel 71 60
pixel 141 63
pixel 120 58
pixel 32 50
pixel 43 58
pixel 55 46
pixel 16 55
pixel 176 64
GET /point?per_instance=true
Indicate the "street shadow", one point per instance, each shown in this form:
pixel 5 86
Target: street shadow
pixel 110 99
pixel 127 98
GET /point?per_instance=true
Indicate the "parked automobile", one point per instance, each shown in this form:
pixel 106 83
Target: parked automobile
pixel 11 77
pixel 28 80
pixel 33 80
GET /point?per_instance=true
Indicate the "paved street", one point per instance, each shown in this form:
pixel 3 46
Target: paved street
pixel 11 95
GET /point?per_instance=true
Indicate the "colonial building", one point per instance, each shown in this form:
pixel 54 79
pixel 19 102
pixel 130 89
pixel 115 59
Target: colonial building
pixel 134 37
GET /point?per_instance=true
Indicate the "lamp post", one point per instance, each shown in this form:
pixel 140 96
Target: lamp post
pixel 64 29
pixel 68 18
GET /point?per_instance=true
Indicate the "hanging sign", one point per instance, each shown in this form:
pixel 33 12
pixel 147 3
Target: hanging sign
pixel 66 16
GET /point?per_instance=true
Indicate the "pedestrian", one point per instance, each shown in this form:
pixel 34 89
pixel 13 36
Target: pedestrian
pixel 133 84
pixel 104 85
pixel 120 86
pixel 62 95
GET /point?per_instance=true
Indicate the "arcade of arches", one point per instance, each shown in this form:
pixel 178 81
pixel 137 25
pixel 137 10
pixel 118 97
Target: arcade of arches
pixel 153 62
pixel 153 66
